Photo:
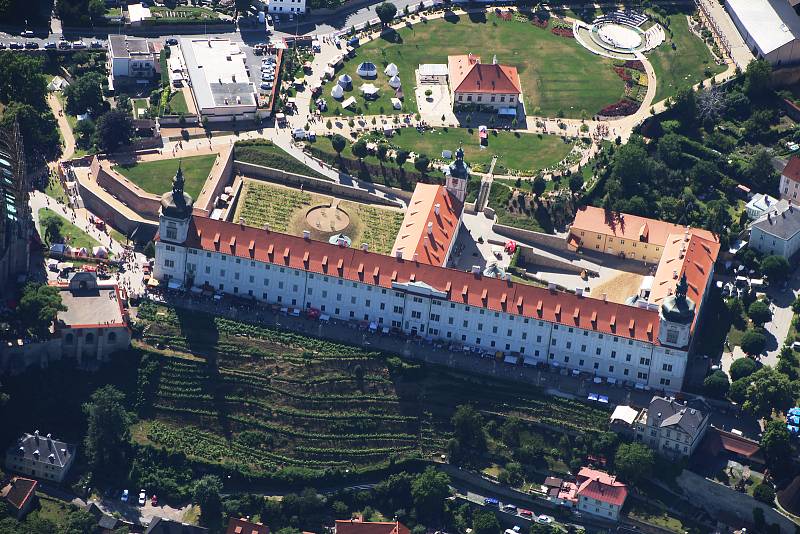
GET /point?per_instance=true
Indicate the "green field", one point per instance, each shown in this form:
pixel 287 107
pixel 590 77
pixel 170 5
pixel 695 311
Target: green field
pixel 557 73
pixel 263 152
pixel 177 103
pixel 688 64
pixel 156 176
pixel 263 400
pixel 72 235
pixel 523 153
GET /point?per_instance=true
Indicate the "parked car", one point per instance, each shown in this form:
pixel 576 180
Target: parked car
pixel 15 46
pixel 299 133
pixel 525 513
pixel 142 498
pixel 154 500
pixel 27 33
pixel 78 44
pixel 509 508
pixel 124 496
pixel 490 501
pixel 172 41
pixel 2 46
pixel 50 45
pixel 96 44
pixel 266 86
pixel 30 45
pixel 544 519
pixel 64 45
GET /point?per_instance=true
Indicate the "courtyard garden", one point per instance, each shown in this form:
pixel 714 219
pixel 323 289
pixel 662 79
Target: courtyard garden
pixel 558 76
pixel 292 211
pixel 156 176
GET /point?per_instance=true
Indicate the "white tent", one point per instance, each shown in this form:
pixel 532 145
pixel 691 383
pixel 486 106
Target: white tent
pixel 349 102
pixel 369 90
pixel 82 252
pixel 395 82
pixel 329 72
pixel 100 252
pixel 396 103
pixel 367 70
pixel 337 91
pixel 391 70
pixel 345 80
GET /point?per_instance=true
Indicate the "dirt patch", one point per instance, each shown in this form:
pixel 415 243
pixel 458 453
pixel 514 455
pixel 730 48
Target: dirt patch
pixel 619 288
pixel 327 218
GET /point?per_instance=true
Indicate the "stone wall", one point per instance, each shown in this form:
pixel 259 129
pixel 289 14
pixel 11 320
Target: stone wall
pixel 140 201
pixel 108 213
pixel 531 237
pixel 218 179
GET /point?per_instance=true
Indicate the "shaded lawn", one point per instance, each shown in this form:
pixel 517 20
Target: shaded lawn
pixel 73 236
pixel 156 176
pixel 526 153
pixel 557 73
pixel 688 64
pixel 177 103
pixel 273 156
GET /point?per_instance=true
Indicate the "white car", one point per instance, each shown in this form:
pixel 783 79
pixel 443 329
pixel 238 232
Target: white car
pixel 142 498
pixel 27 33
pixel 299 133
pixel 78 44
pixel 544 519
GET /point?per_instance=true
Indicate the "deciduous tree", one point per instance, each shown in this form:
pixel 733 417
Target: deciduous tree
pixel 634 461
pixel 107 434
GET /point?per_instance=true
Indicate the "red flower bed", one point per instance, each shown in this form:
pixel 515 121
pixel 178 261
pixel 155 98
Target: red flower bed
pixel 635 65
pixel 541 23
pixel 563 32
pixel 620 109
pixel 505 15
pixel 622 73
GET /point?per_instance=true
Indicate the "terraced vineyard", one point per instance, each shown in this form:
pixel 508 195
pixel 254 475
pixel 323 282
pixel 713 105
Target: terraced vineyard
pixel 262 204
pixel 260 400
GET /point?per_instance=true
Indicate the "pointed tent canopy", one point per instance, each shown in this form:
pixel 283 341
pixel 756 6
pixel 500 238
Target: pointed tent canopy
pixel 367 69
pixel 337 91
pixel 391 70
pixel 395 82
pixel 369 89
pixel 345 80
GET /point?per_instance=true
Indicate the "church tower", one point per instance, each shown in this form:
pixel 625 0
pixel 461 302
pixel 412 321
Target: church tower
pixel 676 317
pixel 457 176
pixel 175 212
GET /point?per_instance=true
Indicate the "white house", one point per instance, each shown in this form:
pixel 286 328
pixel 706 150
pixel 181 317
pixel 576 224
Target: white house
pixel 777 232
pixel 789 188
pixel 130 57
pixel 286 6
pixel 600 494
pixel 761 204
pixel 671 428
pixel 40 457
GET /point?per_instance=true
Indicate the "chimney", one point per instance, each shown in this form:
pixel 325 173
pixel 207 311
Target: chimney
pixel 398 254
pixel 36 454
pixel 430 227
pixel 605 297
pixel 241 221
pixel 306 235
pixel 416 257
pixel 436 208
pixel 365 246
pixel 266 227
pixel 476 269
pixel 63 452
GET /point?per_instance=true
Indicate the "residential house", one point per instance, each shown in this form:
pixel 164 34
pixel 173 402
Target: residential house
pixel 40 457
pixel 130 58
pixel 761 204
pixel 20 495
pixel 600 494
pixel 243 526
pixel 671 428
pixel 789 188
pixel 358 526
pixel 159 525
pixel 487 85
pixel 777 233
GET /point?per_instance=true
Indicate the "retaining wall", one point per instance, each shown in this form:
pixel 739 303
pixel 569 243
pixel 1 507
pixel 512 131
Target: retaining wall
pixel 529 236
pixel 143 203
pixel 531 259
pixel 108 213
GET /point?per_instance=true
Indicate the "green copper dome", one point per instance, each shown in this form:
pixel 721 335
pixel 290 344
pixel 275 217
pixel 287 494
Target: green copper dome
pixel 177 203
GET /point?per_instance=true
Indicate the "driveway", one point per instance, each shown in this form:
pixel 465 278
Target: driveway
pixel 140 514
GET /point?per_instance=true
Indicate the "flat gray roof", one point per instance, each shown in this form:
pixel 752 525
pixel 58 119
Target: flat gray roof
pixel 771 23
pixel 218 73
pixel 122 46
pixel 91 307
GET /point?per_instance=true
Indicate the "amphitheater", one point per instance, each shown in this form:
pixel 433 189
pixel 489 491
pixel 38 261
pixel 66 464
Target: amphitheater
pixel 619 35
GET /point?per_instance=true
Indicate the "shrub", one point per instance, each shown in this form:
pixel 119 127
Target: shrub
pixel 743 367
pixel 765 493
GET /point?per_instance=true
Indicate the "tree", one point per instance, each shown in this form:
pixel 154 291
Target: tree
pixel 242 5
pixel 776 444
pixel 39 306
pixel 775 268
pixel 85 132
pixel 539 186
pixel 339 143
pixel 765 493
pixel 22 80
pixel 743 367
pixel 359 149
pixel 207 494
pixel 634 461
pixel 422 163
pixel 768 391
pixel 757 78
pixel 381 152
pixel 759 312
pixel 485 522
pixel 51 227
pixel 150 250
pixel 124 104
pixel 716 384
pixel 386 11
pixel 430 490
pixel 400 157
pixel 107 434
pixel 114 130
pixel 576 183
pixel 468 429
pixel 760 172
pixel 684 105
pixel 39 129
pixel 753 342
pixel 85 95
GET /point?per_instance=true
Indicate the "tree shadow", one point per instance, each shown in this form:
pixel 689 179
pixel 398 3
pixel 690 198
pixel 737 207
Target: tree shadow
pixel 451 17
pixel 391 36
pixel 478 17
pixel 199 330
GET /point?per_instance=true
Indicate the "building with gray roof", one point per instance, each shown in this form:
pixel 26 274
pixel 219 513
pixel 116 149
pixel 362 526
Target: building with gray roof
pixel 130 57
pixel 777 233
pixel 40 457
pixel 670 428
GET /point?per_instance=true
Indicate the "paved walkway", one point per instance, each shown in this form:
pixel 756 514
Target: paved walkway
pixel 63 125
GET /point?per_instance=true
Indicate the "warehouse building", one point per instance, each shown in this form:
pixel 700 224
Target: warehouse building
pixel 770 28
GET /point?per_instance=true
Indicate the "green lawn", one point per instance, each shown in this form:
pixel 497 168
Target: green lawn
pixel 265 153
pixel 156 176
pixel 688 64
pixel 525 153
pixel 73 236
pixel 177 103
pixel 557 73
pixel 55 190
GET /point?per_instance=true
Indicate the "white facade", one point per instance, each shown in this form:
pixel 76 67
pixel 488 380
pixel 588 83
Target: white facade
pixel 777 233
pixel 599 508
pixel 670 429
pixel 286 6
pixel 40 457
pixel 417 308
pixel 130 57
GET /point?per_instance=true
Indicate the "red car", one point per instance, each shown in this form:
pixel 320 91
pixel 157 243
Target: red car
pixel 154 500
pixel 525 513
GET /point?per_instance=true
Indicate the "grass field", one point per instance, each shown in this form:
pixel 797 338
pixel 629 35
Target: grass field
pixel 266 154
pixel 688 64
pixel 263 399
pixel 285 209
pixel 523 153
pixel 55 190
pixel 557 74
pixel 156 176
pixel 73 236
pixel 177 103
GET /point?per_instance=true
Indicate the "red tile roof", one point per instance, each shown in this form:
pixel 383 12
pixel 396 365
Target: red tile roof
pixel 469 75
pixel 459 286
pixel 243 526
pixel 21 490
pixel 363 527
pixel 627 226
pixel 792 169
pixel 601 486
pixel 429 226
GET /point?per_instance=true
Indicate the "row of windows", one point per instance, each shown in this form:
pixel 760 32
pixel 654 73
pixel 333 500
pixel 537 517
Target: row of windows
pixel 491 99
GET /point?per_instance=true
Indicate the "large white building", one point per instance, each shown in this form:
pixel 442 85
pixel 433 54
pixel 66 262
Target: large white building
pixel 646 345
pixel 130 57
pixel 670 428
pixel 770 28
pixel 777 233
pixel 220 81
pixel 280 7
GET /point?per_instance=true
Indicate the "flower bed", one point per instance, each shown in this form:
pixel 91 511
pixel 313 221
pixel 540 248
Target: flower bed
pixel 634 64
pixel 622 72
pixel 504 15
pixel 620 109
pixel 540 22
pixel 563 32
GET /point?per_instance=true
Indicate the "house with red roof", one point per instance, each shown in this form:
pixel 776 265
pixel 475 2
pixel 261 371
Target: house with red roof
pixel 244 526
pixel 789 188
pixel 20 495
pixel 358 526
pixel 485 84
pixel 600 494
